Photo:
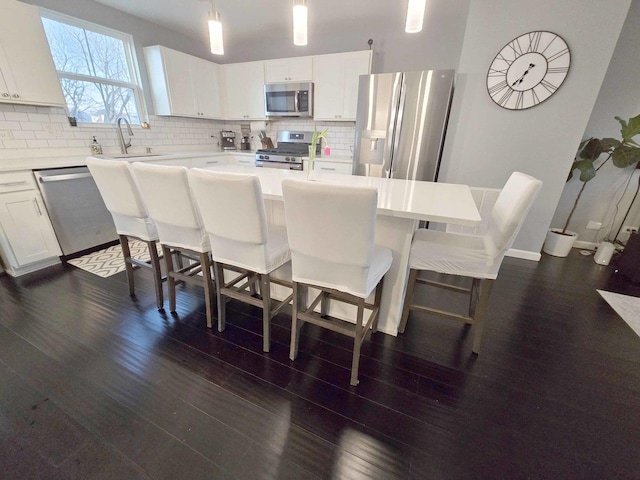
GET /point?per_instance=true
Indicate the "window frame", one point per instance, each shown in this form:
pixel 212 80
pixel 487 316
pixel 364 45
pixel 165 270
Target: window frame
pixel 131 58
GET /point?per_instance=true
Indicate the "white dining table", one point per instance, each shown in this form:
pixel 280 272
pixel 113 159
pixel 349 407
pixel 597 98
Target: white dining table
pixel 402 204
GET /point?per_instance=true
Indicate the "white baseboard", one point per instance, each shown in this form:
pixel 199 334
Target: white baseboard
pixel 524 254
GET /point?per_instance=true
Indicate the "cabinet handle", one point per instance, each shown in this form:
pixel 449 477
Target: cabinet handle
pixel 15 95
pixel 5 94
pixel 328 168
pixel 35 203
pixel 212 162
pixel 12 184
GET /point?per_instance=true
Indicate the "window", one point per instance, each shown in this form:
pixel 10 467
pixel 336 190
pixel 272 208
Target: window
pixel 97 70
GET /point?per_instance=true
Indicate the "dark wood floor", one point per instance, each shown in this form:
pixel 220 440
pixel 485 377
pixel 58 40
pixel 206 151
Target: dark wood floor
pixel 94 384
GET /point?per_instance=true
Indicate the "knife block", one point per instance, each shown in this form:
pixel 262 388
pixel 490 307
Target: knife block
pixel 267 143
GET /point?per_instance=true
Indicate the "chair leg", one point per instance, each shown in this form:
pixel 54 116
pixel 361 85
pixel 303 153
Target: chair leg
pixel 411 285
pixel 126 253
pixel 156 272
pixel 298 305
pixel 265 292
pixel 324 304
pixel 220 298
pixel 171 281
pixel 357 342
pixel 376 305
pixel 205 263
pixel 478 309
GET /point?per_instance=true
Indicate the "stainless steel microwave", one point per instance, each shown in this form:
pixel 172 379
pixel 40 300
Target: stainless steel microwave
pixel 288 99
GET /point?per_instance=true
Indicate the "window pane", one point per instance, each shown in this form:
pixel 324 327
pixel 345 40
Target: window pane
pixel 68 47
pixel 108 58
pixel 93 102
pixel 76 50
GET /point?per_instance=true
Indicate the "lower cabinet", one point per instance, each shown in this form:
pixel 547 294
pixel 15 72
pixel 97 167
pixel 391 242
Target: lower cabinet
pixel 333 167
pixel 27 239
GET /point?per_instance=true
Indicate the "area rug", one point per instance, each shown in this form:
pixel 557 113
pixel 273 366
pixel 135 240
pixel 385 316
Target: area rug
pixel 110 261
pixel 625 306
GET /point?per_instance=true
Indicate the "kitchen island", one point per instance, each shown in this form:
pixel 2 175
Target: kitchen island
pixel 402 204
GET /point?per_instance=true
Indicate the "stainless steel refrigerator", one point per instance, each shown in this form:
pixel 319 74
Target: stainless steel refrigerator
pixel 401 124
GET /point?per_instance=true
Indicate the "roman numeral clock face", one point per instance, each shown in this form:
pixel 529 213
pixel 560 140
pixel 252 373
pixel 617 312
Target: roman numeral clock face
pixel 528 70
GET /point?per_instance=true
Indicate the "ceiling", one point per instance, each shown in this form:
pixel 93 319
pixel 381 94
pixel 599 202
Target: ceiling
pixel 251 19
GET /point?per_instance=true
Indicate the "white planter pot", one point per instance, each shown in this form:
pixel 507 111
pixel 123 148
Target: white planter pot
pixel 557 244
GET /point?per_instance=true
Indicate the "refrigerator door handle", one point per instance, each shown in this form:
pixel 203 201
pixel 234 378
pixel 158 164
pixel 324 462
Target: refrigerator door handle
pixel 391 127
pixel 398 128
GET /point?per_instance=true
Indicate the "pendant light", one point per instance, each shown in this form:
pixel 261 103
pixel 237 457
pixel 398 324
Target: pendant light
pixel 415 16
pixel 300 22
pixel 215 32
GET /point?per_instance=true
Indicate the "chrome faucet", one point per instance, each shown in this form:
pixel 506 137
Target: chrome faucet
pixel 124 145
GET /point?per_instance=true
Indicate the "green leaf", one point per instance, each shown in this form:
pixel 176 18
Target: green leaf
pixel 625 155
pixel 592 150
pixel 629 129
pixel 587 170
pixel 609 144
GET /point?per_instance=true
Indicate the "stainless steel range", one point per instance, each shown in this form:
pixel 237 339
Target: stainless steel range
pixel 292 146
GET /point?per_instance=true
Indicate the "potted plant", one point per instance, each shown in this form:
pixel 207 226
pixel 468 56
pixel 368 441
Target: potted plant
pixel 623 153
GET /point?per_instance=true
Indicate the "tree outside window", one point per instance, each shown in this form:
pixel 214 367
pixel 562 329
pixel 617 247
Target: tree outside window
pixel 96 71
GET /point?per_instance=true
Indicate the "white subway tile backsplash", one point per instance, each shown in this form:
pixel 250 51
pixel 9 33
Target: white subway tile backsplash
pixel 14 143
pixel 34 126
pixel 30 127
pixel 6 125
pixel 23 135
pixel 37 144
pixel 38 117
pixel 17 116
pixel 25 108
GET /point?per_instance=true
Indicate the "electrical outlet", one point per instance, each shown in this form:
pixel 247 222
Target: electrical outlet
pixel 592 225
pixel 629 229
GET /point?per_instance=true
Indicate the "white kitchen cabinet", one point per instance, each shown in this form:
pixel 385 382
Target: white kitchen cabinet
pixel 246 160
pixel 26 235
pixel 333 167
pixel 183 85
pixel 244 87
pixel 298 69
pixel 336 78
pixel 214 160
pixel 27 72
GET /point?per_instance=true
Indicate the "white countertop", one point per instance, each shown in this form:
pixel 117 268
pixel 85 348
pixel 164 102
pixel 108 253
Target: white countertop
pixel 16 164
pixel 430 201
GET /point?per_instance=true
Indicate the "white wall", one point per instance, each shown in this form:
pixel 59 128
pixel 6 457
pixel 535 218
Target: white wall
pixel 486 143
pixel 619 96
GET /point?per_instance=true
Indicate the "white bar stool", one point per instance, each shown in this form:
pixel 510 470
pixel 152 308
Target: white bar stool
pixel 232 208
pixel 120 193
pixel 475 256
pixel 167 195
pixel 331 230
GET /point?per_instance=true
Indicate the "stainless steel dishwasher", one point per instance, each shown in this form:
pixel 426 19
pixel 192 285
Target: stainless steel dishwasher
pixel 78 214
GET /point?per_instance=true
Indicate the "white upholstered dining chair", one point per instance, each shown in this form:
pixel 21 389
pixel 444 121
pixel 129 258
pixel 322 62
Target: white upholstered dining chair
pixel 166 192
pixel 331 230
pixel 119 191
pixel 233 212
pixel 476 256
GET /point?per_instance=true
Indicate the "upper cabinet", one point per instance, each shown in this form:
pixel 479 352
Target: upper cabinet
pixel 299 69
pixel 183 85
pixel 244 84
pixel 27 72
pixel 336 78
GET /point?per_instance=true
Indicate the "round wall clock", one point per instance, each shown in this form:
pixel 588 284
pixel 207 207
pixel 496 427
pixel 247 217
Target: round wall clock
pixel 528 70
